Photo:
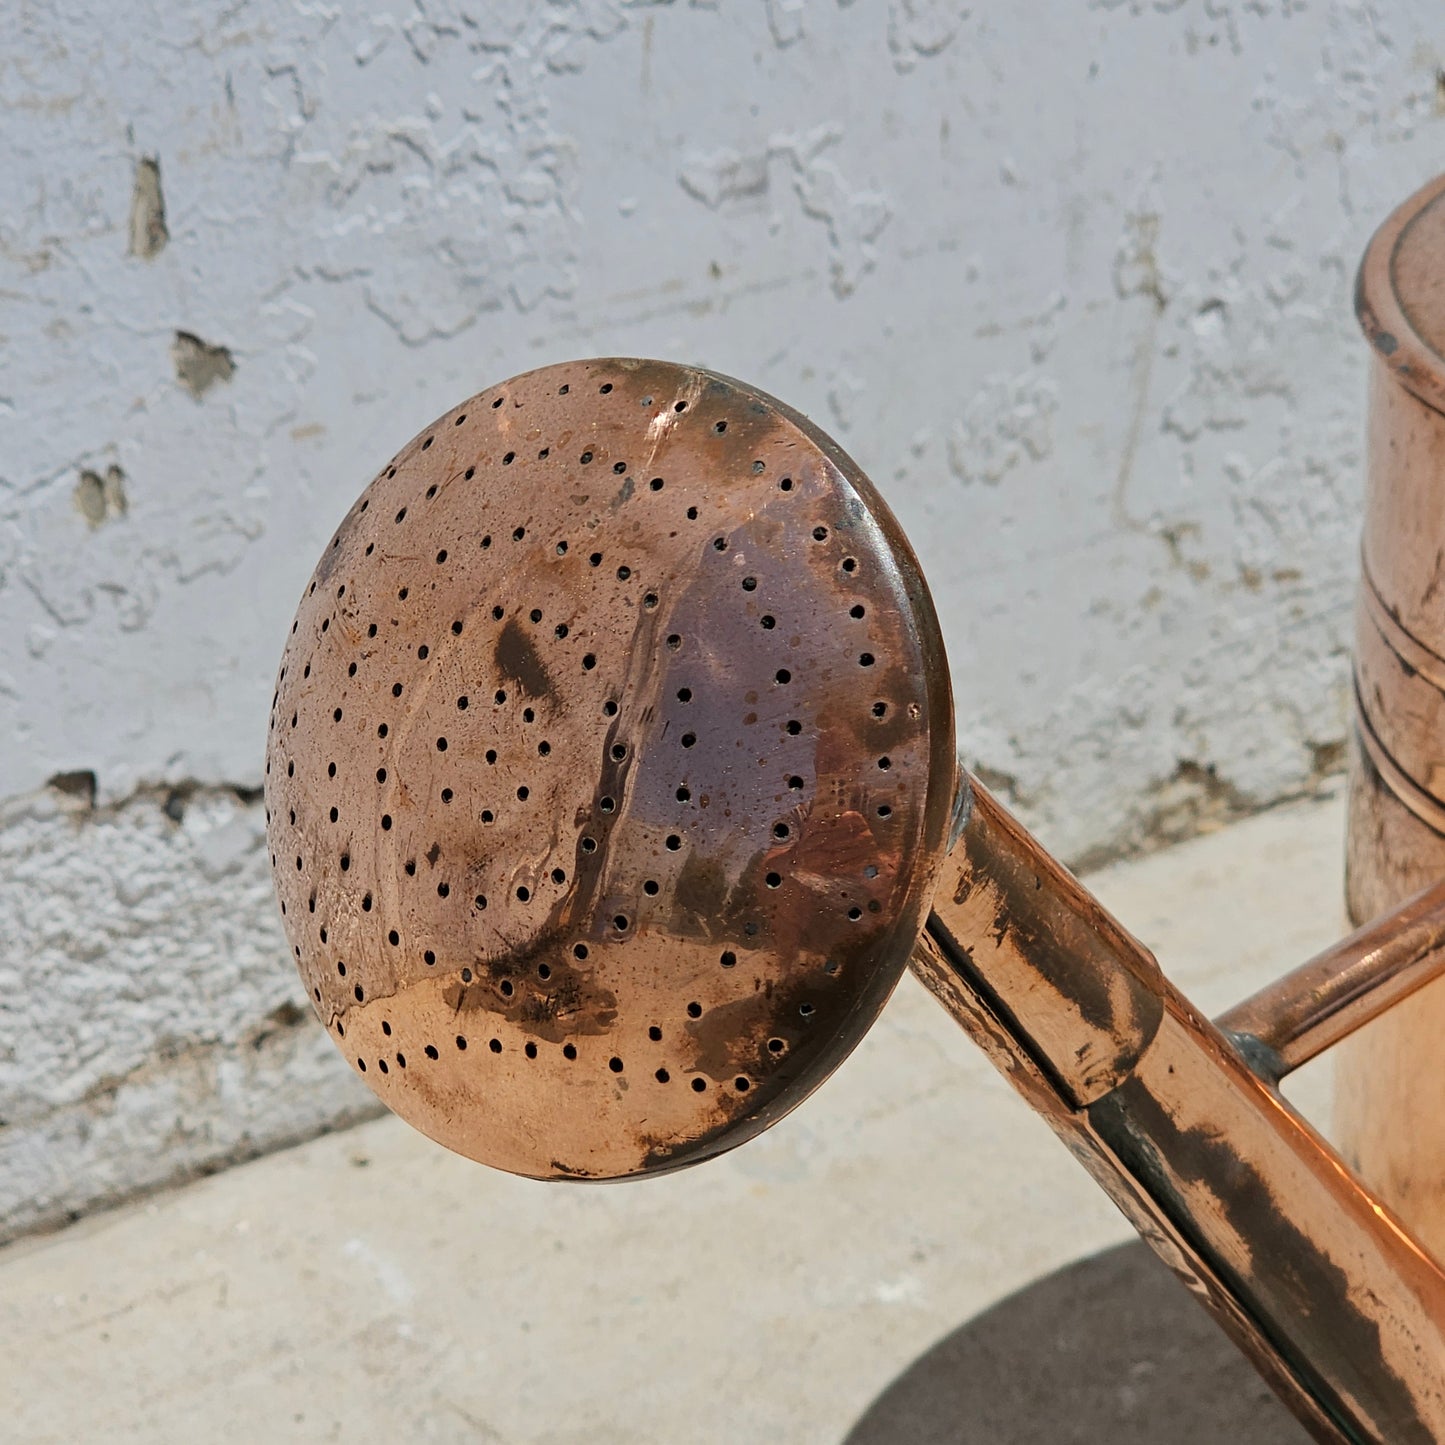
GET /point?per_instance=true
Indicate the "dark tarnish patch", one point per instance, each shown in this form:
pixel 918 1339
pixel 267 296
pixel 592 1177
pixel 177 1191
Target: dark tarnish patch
pixel 806 927
pixel 1145 1136
pixel 1064 950
pixel 570 1004
pixel 730 1043
pixel 1384 341
pixel 624 493
pixel 517 660
pixel 577 913
pixel 332 555
pixel 716 1133
pixel 903 723
pixel 570 1170
pixel 699 895
pixel 732 1038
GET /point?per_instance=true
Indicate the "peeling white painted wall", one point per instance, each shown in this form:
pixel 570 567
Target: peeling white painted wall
pixel 1071 280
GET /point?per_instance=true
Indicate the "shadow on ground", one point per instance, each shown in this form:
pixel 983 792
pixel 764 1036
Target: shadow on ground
pixel 1110 1351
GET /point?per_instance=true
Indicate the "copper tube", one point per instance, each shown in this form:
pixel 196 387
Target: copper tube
pixel 1319 1003
pixel 1310 1274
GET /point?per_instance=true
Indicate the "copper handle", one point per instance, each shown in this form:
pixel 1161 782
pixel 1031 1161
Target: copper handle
pixel 1309 1273
pixel 1299 1016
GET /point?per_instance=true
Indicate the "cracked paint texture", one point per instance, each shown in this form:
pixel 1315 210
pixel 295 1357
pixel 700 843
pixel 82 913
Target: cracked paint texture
pixel 149 1025
pixel 1074 287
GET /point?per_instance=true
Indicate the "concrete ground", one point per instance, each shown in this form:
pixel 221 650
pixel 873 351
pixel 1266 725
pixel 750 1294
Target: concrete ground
pixel 903 1259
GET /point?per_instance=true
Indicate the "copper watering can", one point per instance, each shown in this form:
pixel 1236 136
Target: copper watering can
pixel 611 785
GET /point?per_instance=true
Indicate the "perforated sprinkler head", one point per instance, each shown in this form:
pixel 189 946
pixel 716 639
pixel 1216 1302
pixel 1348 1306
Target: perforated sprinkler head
pixel 609 769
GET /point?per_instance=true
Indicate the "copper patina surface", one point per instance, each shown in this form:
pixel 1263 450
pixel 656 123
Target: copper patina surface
pixel 608 764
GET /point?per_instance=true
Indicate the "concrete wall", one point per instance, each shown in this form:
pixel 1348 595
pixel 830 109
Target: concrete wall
pixel 1071 280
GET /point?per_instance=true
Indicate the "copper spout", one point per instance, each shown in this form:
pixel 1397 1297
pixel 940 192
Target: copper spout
pixel 1234 1191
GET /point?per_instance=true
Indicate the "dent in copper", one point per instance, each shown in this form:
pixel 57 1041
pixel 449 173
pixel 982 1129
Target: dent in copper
pixel 608 769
